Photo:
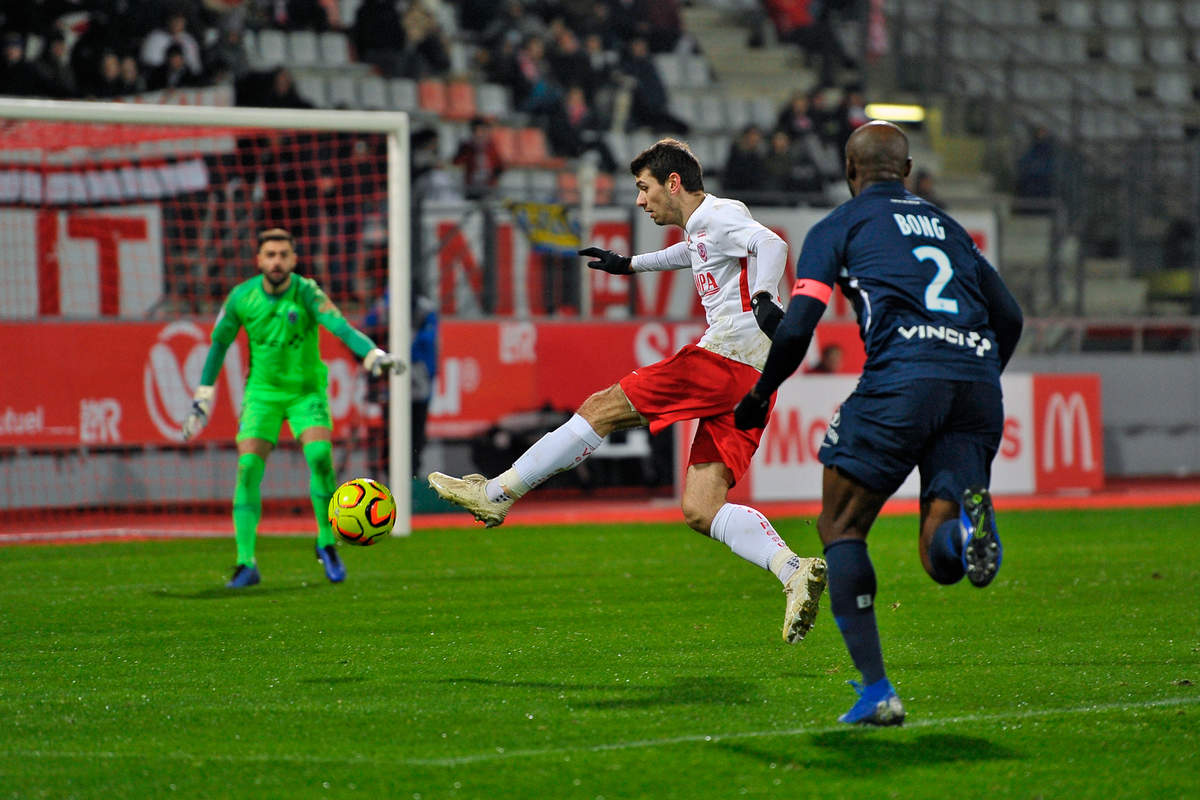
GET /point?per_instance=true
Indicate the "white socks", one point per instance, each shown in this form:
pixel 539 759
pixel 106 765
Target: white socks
pixel 563 448
pixel 750 535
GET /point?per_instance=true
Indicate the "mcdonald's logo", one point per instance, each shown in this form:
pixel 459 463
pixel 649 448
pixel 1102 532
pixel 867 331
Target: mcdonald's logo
pixel 1068 417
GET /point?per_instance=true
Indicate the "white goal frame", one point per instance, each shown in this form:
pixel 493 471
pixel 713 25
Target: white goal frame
pixel 394 125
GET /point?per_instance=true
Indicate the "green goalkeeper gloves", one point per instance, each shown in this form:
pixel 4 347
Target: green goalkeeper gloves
pixel 202 402
pixel 377 362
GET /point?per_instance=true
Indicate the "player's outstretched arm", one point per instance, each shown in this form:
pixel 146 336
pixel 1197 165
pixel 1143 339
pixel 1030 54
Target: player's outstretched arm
pixel 607 260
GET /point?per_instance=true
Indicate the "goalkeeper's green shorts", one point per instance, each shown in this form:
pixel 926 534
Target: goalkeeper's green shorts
pixel 263 413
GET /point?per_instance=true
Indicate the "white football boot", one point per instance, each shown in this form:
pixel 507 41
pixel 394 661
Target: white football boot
pixel 470 492
pixel 803 592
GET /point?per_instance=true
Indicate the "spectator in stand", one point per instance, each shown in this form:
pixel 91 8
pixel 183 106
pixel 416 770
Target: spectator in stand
pixel 790 169
pixel 475 16
pixel 1036 169
pixel 54 67
pixel 745 168
pixel 173 73
pixel 921 185
pixel 132 80
pixel 480 160
pixel 107 83
pixel 827 120
pixel 852 113
pixel 379 37
pixel 432 181
pixel 535 89
pixel 630 19
pixel 297 15
pixel 428 50
pixel 227 54
pixel 808 24
pixel 154 48
pixel 795 118
pixel 831 361
pixel 602 65
pixel 571 65
pixel 281 92
pixel 577 130
pixel 18 77
pixel 512 25
pixel 600 23
pixel 664 25
pixel 650 100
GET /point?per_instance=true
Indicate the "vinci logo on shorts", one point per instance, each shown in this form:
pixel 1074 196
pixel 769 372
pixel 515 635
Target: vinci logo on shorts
pixel 1068 436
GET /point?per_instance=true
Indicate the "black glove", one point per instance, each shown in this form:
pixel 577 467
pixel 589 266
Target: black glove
pixel 766 313
pixel 608 261
pixel 751 412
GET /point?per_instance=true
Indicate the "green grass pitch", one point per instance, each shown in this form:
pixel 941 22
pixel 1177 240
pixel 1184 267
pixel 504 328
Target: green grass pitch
pixel 599 661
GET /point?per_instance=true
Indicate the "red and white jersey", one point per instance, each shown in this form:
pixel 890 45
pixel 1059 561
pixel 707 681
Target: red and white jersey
pixel 733 257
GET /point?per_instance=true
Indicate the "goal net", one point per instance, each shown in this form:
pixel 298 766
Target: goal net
pixel 122 230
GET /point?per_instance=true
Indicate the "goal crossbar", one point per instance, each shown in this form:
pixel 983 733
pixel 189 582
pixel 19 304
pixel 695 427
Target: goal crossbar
pixel 392 124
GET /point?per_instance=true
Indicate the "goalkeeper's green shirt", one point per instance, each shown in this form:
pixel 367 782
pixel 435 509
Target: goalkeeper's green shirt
pixel 282 330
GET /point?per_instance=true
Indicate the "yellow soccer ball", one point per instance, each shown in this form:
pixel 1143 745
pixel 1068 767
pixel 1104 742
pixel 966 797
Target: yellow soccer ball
pixel 362 511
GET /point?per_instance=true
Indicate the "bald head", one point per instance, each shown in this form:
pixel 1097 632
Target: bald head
pixel 876 152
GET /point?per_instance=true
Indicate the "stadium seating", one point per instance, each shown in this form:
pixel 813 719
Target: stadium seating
pixel 492 100
pixel 373 93
pixel 343 91
pixel 403 94
pixel 334 49
pixel 460 101
pixel 431 96
pixel 272 48
pixel 302 49
pixel 532 150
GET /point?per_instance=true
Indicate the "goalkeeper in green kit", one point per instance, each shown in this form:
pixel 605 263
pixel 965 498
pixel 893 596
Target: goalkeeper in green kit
pixel 287 380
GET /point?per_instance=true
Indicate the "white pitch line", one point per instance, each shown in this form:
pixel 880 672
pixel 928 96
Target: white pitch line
pixel 500 754
pixel 718 737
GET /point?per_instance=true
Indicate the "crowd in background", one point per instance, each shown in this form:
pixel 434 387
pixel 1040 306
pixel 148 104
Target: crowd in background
pixel 567 64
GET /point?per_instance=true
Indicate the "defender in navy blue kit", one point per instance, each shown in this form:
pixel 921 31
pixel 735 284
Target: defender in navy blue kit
pixel 938 326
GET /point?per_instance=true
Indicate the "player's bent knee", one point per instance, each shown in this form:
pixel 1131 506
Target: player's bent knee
pixel 697 517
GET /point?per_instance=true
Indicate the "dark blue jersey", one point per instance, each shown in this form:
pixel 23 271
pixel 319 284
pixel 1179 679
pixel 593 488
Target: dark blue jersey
pixel 917 284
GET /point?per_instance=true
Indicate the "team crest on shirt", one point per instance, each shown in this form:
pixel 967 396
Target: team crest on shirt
pixel 292 316
pixel 702 250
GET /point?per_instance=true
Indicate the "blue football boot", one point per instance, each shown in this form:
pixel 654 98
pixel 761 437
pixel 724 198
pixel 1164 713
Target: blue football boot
pixel 244 575
pixel 982 552
pixel 878 704
pixel 335 570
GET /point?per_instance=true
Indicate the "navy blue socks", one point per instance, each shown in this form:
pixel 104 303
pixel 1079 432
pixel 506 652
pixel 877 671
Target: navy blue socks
pixel 946 553
pixel 852 598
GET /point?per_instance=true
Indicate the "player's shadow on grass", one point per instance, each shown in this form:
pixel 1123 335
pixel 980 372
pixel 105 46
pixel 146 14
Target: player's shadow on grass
pixel 859 751
pixel 683 691
pixel 221 593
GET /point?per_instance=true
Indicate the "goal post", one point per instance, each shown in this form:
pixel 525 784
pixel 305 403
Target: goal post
pixel 205 121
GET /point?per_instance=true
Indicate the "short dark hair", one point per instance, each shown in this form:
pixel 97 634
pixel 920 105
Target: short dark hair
pixel 670 155
pixel 275 235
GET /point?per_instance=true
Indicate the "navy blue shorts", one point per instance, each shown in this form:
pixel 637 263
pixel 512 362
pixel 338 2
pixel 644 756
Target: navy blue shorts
pixel 950 430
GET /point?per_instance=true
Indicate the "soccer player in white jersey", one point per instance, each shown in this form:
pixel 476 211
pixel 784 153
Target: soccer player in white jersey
pixel 737 264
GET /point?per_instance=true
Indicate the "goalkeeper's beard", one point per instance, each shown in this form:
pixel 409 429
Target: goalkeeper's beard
pixel 274 281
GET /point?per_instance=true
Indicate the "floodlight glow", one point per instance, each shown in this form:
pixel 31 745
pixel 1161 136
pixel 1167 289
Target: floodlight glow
pixel 896 112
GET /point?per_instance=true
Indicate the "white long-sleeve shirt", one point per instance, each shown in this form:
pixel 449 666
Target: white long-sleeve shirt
pixel 733 257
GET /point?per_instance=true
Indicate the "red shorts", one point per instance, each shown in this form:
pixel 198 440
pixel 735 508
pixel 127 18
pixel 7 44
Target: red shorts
pixel 697 384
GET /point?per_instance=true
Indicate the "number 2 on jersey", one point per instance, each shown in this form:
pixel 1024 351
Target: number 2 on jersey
pixel 933 292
